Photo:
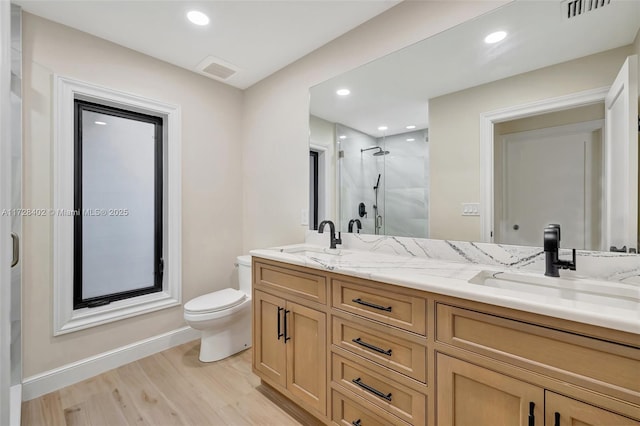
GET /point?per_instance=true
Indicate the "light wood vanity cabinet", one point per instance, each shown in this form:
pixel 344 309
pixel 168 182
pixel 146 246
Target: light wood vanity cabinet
pixel 472 395
pixel 379 347
pixel 490 392
pixel 290 336
pixel 368 353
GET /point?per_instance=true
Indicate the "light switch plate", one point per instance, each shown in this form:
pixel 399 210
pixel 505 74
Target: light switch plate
pixel 304 217
pixel 470 209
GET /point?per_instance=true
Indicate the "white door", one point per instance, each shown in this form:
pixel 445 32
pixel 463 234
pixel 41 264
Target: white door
pixel 621 159
pixel 547 178
pixel 5 220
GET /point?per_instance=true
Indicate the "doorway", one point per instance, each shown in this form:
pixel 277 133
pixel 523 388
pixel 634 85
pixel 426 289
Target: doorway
pixel 317 186
pixel 549 175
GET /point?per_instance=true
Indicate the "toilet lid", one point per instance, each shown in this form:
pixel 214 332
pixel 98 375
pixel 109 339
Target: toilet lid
pixel 216 301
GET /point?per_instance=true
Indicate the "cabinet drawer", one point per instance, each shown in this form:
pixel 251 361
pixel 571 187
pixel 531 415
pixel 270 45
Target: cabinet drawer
pixel 381 304
pixel 347 412
pixel 303 284
pixel 386 347
pixel 382 390
pixel 539 348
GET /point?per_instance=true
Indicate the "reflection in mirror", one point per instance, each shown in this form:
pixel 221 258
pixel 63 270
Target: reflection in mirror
pixel 547 169
pixel 557 104
pixel 389 176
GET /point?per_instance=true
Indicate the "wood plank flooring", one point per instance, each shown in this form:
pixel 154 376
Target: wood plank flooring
pixel 169 388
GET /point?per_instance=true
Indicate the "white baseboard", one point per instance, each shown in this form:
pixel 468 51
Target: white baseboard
pixel 69 374
pixel 15 406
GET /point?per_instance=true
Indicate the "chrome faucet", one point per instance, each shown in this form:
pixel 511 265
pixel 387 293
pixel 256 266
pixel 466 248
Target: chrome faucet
pixel 551 252
pixel 332 228
pixel 358 225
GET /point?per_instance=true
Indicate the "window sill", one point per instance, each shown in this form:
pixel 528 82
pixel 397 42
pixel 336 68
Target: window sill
pixel 83 318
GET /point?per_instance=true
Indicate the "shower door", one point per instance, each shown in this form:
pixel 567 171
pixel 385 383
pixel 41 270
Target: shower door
pixel 16 204
pixel 10 222
pixel 5 221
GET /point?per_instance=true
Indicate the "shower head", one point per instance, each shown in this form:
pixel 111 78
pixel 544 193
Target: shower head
pixel 378 153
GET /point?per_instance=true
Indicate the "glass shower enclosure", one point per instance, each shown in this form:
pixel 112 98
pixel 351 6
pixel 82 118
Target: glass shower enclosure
pixel 383 182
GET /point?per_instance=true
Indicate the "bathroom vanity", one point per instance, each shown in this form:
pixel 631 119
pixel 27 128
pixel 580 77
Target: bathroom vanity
pixel 422 343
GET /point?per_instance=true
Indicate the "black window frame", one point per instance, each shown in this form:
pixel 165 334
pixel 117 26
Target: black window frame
pixel 78 300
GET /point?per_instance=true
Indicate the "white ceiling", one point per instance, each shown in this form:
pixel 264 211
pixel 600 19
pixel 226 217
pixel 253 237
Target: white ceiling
pixel 394 91
pixel 257 37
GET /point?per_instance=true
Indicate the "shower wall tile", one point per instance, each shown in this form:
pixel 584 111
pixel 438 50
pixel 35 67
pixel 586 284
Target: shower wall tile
pixel 405 172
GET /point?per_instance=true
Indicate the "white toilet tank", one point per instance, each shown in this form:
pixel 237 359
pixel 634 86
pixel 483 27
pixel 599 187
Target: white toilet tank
pixel 244 274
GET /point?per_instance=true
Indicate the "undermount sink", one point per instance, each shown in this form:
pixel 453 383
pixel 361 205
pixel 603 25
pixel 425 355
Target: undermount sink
pixel 603 293
pixel 310 250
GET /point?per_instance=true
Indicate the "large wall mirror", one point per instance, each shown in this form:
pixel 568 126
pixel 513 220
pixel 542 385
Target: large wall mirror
pixel 522 117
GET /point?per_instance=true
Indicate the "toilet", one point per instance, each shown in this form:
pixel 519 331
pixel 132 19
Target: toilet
pixel 223 317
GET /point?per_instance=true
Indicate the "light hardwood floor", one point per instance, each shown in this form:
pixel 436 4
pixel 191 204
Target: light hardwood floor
pixel 168 388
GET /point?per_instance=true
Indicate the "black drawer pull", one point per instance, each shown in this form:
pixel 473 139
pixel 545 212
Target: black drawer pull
pixel 280 333
pixel 356 423
pixel 286 335
pixel 372 347
pixel 556 419
pixel 372 305
pixel 532 417
pixel 374 391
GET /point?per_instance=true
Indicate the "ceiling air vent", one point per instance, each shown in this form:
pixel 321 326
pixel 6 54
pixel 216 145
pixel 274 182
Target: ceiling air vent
pixel 216 68
pixel 574 8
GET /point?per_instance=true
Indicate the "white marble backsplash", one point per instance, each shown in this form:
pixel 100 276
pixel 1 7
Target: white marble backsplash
pixel 608 266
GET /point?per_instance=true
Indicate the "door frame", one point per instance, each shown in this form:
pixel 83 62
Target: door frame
pixel 487 122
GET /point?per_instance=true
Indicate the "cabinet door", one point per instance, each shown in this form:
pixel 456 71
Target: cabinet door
pixel 563 411
pixel 269 352
pixel 469 395
pixel 306 355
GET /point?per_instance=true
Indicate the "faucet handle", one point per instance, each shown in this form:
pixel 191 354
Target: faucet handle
pixel 568 264
pixel 572 263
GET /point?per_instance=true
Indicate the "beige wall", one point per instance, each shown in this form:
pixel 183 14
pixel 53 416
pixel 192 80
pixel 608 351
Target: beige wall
pixel 276 114
pixel 454 131
pixel 211 177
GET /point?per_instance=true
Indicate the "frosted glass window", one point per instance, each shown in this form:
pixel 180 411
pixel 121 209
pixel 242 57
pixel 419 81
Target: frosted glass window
pixel 118 205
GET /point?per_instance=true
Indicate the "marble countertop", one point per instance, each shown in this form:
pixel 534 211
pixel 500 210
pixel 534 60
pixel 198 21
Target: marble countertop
pixel 620 311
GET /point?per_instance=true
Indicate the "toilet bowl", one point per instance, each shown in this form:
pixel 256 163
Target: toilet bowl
pixel 223 317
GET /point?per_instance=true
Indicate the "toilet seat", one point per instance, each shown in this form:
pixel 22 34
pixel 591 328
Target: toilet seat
pixel 215 302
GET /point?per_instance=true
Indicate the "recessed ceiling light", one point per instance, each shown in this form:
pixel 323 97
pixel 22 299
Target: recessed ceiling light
pixel 343 92
pixel 410 140
pixel 495 37
pixel 342 137
pixel 198 17
pixel 382 128
pixel 101 123
pixel 411 126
